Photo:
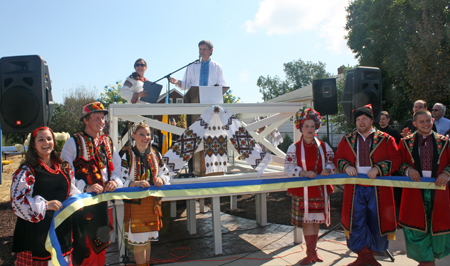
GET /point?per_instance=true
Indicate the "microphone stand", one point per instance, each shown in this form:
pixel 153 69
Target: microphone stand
pixel 168 75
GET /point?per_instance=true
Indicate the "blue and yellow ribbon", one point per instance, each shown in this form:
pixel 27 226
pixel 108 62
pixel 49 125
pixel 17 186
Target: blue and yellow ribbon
pixel 79 201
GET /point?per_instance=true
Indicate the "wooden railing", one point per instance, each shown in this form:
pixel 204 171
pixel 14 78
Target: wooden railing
pixel 277 114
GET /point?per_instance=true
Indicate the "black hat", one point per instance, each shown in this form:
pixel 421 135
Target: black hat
pixel 363 110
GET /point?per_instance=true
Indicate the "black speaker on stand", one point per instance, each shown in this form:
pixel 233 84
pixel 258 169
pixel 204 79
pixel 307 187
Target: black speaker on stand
pixel 325 96
pixel 362 86
pixel 25 94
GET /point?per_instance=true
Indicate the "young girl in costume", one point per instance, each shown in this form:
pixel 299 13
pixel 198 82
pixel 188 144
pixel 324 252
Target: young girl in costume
pixel 143 166
pixel 308 158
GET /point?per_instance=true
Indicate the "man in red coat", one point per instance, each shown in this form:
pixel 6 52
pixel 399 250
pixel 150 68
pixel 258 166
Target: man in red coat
pixel 368 212
pixel 425 213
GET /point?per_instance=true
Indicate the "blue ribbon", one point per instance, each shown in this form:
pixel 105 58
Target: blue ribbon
pixel 76 202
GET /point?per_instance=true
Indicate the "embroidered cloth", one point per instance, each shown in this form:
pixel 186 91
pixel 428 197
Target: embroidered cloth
pixel 215 126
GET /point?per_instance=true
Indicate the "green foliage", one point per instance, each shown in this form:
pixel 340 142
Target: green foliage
pixel 287 141
pixel 9 139
pixel 230 98
pixel 66 116
pixel 298 74
pixel 409 42
pixel 111 95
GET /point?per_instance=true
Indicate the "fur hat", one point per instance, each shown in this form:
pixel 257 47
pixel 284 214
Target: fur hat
pixel 363 110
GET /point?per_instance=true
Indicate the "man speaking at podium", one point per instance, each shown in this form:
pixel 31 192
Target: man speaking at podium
pixel 204 73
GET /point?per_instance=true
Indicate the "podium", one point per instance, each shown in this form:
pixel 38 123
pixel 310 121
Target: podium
pixel 197 94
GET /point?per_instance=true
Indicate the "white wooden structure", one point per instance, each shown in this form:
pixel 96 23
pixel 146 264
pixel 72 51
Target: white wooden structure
pixel 277 113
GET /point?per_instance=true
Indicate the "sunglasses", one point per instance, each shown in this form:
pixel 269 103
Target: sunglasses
pixel 435 110
pixel 139 65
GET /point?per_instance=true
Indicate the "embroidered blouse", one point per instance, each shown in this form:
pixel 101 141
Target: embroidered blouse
pixel 146 166
pixel 25 204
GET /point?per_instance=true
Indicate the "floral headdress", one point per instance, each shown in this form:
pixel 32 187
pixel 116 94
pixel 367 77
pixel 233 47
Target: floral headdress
pixel 305 114
pixel 138 125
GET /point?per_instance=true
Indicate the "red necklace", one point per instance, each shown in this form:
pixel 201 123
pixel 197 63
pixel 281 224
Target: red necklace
pixel 56 167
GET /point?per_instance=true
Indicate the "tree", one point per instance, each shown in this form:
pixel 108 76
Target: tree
pixel 66 116
pixel 429 54
pixel 298 75
pixel 408 41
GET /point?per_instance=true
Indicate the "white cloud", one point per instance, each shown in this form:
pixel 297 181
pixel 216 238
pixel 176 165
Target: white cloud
pixel 293 16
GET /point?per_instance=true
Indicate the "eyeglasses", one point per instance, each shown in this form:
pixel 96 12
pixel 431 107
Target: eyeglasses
pixel 435 110
pixel 139 65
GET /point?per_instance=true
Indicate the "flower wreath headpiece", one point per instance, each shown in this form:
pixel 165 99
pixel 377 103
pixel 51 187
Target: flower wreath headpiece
pixel 139 125
pixel 305 114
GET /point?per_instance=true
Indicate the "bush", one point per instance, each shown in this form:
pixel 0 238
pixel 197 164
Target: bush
pixel 287 141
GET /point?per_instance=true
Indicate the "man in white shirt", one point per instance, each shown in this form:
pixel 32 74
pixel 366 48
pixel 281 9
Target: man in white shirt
pixel 442 123
pixel 205 73
pixel 97 168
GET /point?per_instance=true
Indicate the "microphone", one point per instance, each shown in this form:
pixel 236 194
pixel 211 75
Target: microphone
pixel 199 58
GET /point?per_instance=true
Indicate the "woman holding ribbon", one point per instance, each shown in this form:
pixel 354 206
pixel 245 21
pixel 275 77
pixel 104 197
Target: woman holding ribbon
pixel 39 187
pixel 133 88
pixel 308 158
pixel 143 166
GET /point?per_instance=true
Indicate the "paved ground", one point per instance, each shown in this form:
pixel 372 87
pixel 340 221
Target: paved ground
pixel 246 243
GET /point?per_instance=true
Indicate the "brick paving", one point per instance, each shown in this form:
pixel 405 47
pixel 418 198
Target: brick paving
pixel 239 235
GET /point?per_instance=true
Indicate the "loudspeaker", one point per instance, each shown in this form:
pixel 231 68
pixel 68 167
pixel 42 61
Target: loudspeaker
pixel 25 94
pixel 362 86
pixel 325 96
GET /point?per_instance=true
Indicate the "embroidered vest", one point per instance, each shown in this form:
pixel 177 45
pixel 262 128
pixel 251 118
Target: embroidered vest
pixel 91 159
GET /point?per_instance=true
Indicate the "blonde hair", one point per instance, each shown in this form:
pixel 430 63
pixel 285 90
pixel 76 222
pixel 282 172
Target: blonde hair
pixel 139 125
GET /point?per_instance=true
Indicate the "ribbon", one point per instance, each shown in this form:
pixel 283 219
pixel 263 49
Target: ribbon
pixel 76 202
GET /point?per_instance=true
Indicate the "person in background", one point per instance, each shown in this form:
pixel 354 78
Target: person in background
pixel 205 73
pixel 425 213
pixel 442 123
pixel 369 223
pixel 385 127
pixel 143 166
pixel 97 169
pixel 39 187
pixel 409 127
pixel 174 136
pixel 133 88
pixel 308 158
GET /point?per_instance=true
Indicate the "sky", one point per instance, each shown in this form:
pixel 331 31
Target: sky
pixel 95 43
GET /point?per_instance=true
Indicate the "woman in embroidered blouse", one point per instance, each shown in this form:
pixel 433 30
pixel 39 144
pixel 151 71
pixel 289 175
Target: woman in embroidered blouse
pixel 143 166
pixel 38 187
pixel 308 158
pixel 133 88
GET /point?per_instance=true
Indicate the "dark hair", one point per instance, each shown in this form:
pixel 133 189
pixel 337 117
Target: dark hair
pixel 207 43
pixel 135 75
pixel 385 113
pixel 421 112
pixel 31 157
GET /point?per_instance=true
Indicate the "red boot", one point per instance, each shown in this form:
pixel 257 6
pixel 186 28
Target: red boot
pixel 427 263
pixel 311 250
pixel 372 260
pixel 363 258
